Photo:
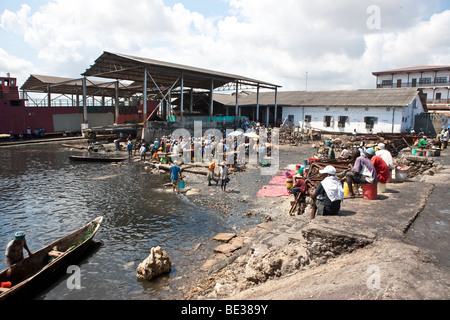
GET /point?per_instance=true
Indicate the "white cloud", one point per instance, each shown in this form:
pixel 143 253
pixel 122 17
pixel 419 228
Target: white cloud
pixel 17 67
pixel 274 41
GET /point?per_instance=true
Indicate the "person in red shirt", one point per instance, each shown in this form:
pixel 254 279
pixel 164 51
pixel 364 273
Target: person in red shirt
pixel 380 165
pixel 299 186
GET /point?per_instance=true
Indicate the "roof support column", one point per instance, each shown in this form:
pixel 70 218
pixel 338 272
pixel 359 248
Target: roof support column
pixel 49 96
pixel 276 108
pixel 211 106
pixel 182 98
pixel 85 113
pixel 237 100
pixel 144 119
pixel 257 104
pixel 191 102
pixel 116 118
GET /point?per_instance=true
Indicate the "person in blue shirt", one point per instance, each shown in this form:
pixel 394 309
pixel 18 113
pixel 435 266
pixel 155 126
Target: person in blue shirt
pixel 175 176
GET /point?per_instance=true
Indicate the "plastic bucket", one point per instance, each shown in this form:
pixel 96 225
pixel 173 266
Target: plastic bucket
pixel 182 185
pixel 381 188
pixel 370 191
pixel 289 182
pixel 401 173
pixel 347 189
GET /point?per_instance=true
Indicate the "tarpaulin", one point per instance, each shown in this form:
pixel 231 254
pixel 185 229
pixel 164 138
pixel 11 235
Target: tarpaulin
pixel 272 192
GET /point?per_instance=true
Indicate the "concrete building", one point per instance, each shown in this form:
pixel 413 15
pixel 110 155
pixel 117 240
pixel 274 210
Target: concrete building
pixel 343 111
pixel 434 81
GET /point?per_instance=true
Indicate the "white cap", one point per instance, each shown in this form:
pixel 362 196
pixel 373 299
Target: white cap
pixel 381 146
pixel 328 170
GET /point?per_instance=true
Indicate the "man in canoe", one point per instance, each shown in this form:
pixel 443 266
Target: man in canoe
pixel 14 250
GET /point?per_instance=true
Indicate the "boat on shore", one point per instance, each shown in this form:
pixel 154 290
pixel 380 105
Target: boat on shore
pixel 95 159
pixel 32 273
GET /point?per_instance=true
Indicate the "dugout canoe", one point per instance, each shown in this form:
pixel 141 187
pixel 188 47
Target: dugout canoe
pixel 34 273
pixel 95 159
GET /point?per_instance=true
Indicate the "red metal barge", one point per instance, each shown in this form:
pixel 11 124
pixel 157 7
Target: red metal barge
pixel 16 117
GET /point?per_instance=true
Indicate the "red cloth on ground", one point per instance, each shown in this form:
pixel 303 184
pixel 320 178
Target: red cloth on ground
pixel 272 192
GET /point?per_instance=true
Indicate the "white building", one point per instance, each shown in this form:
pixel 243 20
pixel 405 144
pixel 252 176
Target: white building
pixel 433 80
pixel 367 111
pixel 343 111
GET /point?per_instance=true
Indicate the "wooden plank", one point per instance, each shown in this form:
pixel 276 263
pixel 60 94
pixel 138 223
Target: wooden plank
pixel 55 253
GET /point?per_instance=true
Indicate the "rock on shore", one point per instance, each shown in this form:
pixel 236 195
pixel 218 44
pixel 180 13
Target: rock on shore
pixel 156 264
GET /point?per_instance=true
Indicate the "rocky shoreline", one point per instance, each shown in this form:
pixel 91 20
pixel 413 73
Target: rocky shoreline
pixel 287 258
pixel 364 253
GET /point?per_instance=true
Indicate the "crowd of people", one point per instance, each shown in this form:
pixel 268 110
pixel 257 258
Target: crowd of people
pixel 366 166
pixel 219 150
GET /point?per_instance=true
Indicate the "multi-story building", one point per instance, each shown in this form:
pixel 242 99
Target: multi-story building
pixel 433 80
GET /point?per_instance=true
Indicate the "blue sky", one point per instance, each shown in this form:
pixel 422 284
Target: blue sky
pixel 273 41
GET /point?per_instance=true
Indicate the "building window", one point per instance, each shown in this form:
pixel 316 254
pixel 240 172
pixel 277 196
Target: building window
pixel 342 121
pixel 386 83
pixel 414 83
pixel 308 118
pixel 438 96
pixel 399 83
pixel 425 81
pixel 440 80
pixel 328 121
pixel 370 122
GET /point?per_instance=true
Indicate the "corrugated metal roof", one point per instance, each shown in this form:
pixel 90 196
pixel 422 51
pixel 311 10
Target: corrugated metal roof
pixel 413 69
pixel 165 74
pixel 395 97
pixel 59 85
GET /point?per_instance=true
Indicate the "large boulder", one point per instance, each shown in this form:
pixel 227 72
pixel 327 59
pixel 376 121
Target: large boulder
pixel 156 264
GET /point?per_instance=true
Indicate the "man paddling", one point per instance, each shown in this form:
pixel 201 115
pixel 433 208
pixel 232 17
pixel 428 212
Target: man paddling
pixel 14 250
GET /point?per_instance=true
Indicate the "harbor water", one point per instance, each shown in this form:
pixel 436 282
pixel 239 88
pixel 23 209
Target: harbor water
pixel 47 196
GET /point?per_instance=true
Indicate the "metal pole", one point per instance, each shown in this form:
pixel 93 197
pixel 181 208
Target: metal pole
pixel 85 113
pixel 182 98
pixel 276 107
pixel 49 96
pixel 211 106
pixel 237 100
pixel 116 121
pixel 257 104
pixel 145 98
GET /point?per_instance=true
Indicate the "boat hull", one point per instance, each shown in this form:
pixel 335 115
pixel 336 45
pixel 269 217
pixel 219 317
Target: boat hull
pixel 34 273
pixel 95 159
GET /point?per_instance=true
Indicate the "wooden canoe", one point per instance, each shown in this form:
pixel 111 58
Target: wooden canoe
pixel 33 273
pixel 95 159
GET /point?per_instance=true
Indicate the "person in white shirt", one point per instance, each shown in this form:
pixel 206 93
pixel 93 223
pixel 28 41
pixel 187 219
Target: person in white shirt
pixel 385 155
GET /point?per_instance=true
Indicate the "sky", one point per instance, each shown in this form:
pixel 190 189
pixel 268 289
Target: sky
pixel 297 44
